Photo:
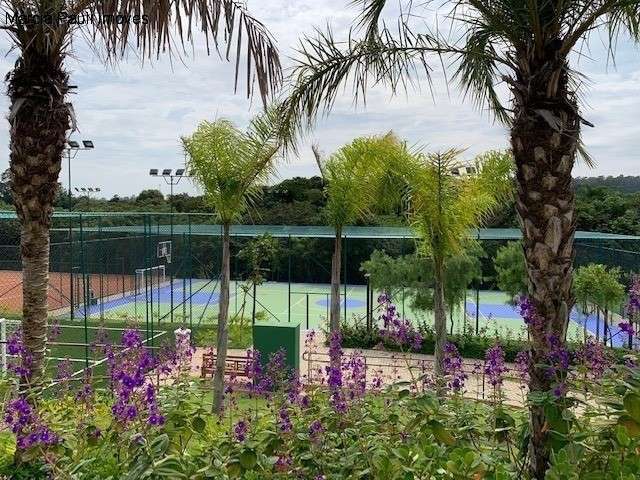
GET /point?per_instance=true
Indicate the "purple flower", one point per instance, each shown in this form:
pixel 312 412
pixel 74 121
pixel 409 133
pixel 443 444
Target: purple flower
pixel 560 390
pixel 522 366
pixel 315 429
pixel 494 366
pixel 453 367
pixel 23 421
pixel 593 356
pixel 284 421
pixel 626 327
pixel 529 313
pixel 335 354
pixel 240 431
pixel 396 329
pixel 131 338
pixel 633 307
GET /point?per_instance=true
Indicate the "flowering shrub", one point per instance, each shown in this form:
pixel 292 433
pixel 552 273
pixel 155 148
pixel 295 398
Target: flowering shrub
pixel 280 427
pixel 453 368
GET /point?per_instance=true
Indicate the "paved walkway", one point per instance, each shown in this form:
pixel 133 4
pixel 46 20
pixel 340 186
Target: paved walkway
pixel 391 367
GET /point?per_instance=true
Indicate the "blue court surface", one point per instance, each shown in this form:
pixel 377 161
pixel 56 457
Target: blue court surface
pixel 506 311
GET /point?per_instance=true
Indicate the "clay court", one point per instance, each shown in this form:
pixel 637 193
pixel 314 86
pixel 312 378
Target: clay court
pixel 59 291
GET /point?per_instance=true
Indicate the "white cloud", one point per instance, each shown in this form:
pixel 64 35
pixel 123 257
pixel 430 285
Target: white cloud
pixel 136 115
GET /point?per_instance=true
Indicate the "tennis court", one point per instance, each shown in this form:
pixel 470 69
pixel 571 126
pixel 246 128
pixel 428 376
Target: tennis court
pixel 195 301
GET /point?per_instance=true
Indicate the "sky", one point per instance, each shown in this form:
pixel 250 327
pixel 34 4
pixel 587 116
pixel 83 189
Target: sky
pixel 135 114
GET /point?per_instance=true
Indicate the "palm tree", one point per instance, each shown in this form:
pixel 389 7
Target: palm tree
pixel 41 115
pixel 528 46
pixel 231 166
pixel 443 207
pixel 352 177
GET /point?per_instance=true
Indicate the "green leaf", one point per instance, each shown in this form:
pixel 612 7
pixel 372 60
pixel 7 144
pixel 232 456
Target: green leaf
pixel 630 424
pixel 631 403
pixel 441 433
pixel 198 424
pixel 248 459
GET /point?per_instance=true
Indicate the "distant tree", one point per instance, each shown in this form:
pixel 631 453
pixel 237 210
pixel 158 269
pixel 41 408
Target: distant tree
pixel 5 187
pixel 231 166
pixel 151 196
pixel 413 276
pixel 511 271
pixel 598 288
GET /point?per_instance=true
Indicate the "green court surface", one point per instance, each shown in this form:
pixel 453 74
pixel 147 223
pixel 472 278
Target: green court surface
pixel 195 302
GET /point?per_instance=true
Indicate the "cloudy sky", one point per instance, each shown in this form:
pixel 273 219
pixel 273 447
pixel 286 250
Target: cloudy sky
pixel 135 115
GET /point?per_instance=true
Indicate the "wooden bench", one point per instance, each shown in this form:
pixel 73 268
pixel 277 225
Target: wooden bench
pixel 235 365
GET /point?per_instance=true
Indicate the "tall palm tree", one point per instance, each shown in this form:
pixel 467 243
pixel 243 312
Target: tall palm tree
pixel 231 166
pixel 41 114
pixel 443 207
pixel 352 176
pixel 528 46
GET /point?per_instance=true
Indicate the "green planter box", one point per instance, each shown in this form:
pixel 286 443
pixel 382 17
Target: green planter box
pixel 268 338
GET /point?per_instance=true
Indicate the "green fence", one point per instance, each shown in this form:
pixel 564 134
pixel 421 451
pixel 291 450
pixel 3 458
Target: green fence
pixel 159 271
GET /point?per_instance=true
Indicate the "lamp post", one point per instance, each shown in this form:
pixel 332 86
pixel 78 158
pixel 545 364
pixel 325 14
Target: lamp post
pixel 74 146
pixel 88 191
pixel 170 178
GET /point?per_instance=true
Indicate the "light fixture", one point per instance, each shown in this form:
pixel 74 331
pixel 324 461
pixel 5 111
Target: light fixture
pixel 87 143
pixel 179 172
pixel 166 171
pixel 153 172
pixel 73 144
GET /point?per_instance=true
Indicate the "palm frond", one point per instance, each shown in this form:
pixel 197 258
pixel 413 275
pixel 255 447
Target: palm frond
pixel 369 17
pixel 227 24
pixel 444 207
pixel 325 66
pixel 231 165
pixel 478 72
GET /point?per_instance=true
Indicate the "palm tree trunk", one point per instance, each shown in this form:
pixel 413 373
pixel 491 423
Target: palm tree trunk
pixel 334 313
pixel 440 319
pixel 39 120
pixel 544 138
pixel 223 329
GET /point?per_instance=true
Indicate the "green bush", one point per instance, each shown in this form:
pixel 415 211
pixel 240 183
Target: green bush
pixel 356 335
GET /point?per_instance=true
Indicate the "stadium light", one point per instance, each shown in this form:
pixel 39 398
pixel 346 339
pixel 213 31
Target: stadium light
pixel 170 179
pixel 74 146
pixel 88 191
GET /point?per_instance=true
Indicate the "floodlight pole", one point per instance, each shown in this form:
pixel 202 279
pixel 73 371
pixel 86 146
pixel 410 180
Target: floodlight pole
pixel 74 146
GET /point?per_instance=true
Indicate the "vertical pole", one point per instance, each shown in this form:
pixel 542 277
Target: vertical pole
pixel 168 265
pixel 190 276
pixel 477 307
pixel 289 282
pixel 71 299
pixel 123 287
pixel 184 283
pixel 401 254
pixel 102 263
pixel 307 311
pixel 253 311
pixel 367 317
pixel 69 167
pixel 84 280
pixel 145 276
pixel 3 344
pixel 464 311
pixel 344 268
